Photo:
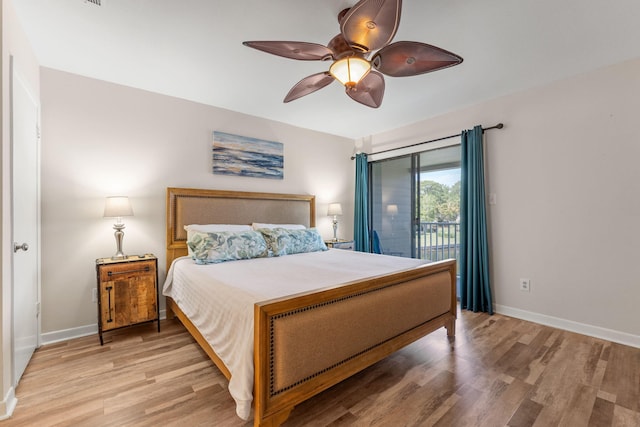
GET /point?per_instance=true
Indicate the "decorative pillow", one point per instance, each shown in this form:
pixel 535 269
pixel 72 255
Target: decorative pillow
pixel 214 247
pixel 282 241
pixel 259 225
pixel 207 228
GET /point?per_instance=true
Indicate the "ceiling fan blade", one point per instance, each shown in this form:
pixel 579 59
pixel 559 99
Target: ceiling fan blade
pixel 401 59
pixel 371 24
pixel 293 50
pixel 369 91
pixel 309 85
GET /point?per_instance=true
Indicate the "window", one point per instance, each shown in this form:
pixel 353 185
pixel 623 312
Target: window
pixel 415 204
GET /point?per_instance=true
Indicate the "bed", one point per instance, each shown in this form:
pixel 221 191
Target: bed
pixel 352 323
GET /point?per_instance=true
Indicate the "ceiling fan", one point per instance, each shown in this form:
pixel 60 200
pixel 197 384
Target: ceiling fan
pixel 361 53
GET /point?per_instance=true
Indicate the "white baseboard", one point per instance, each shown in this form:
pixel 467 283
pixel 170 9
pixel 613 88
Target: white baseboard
pixel 569 325
pixel 81 331
pixel 8 404
pixel 68 334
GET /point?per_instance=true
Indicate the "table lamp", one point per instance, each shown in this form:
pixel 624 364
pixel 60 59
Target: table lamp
pixel 117 207
pixel 334 210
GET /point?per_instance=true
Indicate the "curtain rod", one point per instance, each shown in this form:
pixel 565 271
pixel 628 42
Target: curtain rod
pixel 498 126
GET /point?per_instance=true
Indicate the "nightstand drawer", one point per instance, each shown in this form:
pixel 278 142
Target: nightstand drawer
pixel 127 270
pixel 340 244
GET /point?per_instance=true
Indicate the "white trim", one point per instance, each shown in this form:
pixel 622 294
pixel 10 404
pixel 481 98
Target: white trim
pixel 79 332
pixel 68 334
pixel 569 325
pixel 8 404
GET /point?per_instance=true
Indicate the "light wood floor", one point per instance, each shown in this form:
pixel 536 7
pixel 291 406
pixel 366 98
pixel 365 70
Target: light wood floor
pixel 498 371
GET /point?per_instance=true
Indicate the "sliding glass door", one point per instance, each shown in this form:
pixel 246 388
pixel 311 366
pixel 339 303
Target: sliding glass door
pixel 392 206
pixel 415 204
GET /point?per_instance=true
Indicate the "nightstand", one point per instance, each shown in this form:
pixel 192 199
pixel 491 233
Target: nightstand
pixel 339 244
pixel 127 292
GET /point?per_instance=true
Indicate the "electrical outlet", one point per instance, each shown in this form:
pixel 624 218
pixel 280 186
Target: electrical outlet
pixel 525 285
pixel 94 295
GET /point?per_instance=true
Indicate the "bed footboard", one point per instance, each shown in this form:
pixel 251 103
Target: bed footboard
pixel 307 343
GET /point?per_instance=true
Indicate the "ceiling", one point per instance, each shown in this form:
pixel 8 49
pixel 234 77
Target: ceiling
pixel 192 49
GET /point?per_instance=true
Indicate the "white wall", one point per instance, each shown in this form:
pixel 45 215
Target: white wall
pixel 16 46
pixel 102 139
pixel 566 177
pixel 563 170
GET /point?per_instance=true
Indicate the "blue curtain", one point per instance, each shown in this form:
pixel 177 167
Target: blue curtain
pixel 361 217
pixel 475 288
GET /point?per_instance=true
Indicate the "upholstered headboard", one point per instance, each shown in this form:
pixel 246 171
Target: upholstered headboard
pixel 197 206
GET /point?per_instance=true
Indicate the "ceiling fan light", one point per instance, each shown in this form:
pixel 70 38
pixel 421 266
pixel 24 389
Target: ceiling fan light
pixel 349 71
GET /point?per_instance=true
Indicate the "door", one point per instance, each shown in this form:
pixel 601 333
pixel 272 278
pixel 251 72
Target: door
pixel 415 204
pixel 25 214
pixel 438 201
pixel 391 187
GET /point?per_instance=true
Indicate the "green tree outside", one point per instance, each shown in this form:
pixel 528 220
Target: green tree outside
pixel 439 202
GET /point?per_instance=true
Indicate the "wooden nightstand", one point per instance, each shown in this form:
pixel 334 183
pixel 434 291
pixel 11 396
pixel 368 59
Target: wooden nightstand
pixel 127 292
pixel 339 244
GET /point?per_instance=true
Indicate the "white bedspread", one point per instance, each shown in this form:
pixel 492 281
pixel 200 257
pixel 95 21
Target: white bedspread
pixel 219 298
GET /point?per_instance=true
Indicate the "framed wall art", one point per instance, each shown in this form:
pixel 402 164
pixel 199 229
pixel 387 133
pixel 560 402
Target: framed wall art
pixel 244 156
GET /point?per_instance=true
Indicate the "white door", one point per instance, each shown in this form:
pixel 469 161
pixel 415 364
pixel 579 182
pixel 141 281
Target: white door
pixel 25 152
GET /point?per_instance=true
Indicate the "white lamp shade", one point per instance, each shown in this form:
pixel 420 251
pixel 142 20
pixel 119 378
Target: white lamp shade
pixel 117 206
pixel 334 209
pixel 392 209
pixel 349 71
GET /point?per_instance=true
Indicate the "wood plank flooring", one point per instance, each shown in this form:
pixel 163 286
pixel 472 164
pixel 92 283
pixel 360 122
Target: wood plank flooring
pixel 498 371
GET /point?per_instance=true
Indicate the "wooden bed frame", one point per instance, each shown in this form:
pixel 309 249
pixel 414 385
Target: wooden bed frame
pixel 308 342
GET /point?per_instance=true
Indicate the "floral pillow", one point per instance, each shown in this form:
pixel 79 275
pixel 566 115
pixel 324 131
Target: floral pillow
pixel 285 242
pixel 207 228
pixel 214 247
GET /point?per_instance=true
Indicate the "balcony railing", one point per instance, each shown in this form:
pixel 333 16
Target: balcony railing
pixel 439 240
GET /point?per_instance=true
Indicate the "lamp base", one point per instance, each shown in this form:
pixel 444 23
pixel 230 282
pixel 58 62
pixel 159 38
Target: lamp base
pixel 119 234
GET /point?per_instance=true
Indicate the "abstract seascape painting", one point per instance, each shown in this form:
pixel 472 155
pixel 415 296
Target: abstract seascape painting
pixel 244 156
